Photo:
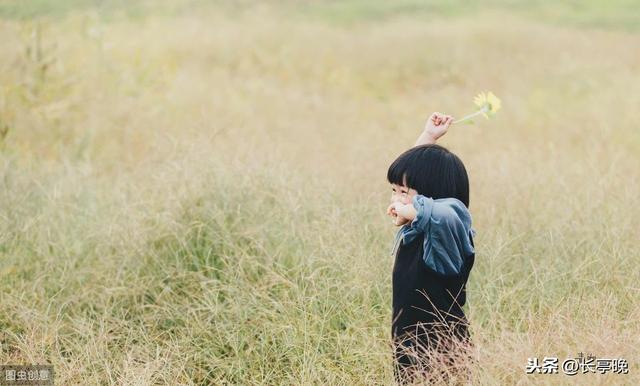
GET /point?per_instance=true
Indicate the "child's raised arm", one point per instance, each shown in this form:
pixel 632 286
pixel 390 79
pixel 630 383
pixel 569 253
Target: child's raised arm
pixel 436 126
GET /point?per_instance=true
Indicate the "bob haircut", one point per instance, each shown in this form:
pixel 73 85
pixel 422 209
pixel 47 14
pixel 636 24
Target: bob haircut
pixel 433 171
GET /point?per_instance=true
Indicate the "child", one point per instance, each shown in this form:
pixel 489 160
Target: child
pixel 433 252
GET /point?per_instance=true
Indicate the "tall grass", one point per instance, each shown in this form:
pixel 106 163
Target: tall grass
pixel 199 199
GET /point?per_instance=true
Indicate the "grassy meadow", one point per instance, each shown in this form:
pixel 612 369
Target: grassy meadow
pixel 194 192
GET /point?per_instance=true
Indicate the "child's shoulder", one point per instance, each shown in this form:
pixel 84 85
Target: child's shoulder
pixel 450 208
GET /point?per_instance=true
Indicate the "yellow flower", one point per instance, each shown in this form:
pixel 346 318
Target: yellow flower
pixel 489 103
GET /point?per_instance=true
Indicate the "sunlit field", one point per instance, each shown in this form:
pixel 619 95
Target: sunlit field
pixel 195 194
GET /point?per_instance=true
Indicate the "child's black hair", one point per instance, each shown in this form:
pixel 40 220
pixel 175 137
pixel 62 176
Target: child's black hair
pixel 433 171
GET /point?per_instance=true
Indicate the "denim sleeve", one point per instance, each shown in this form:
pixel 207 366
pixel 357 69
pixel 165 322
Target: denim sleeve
pixel 446 224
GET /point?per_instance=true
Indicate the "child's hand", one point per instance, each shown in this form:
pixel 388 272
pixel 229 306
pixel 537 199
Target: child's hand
pixel 437 125
pixel 392 211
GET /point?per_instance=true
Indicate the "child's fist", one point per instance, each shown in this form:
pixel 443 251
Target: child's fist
pixel 437 125
pixel 392 211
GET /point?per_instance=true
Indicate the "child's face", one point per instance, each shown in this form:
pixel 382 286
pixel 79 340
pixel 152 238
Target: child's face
pixel 402 194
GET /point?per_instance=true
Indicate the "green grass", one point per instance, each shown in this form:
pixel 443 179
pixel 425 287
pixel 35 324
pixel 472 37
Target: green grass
pixel 616 15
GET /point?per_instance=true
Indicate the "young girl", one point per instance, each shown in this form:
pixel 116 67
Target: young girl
pixel 434 254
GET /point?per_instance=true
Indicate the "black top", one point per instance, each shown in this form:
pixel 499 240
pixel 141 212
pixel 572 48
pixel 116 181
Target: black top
pixel 421 295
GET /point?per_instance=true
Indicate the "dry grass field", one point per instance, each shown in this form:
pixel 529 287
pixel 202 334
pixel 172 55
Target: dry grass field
pixel 194 193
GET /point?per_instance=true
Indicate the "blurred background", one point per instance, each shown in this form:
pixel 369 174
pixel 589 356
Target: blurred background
pixel 193 192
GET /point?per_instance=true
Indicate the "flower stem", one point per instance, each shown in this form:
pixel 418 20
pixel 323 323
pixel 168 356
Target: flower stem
pixel 470 116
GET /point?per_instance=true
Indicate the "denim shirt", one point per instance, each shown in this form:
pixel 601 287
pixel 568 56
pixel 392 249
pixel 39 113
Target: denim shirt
pixel 446 224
